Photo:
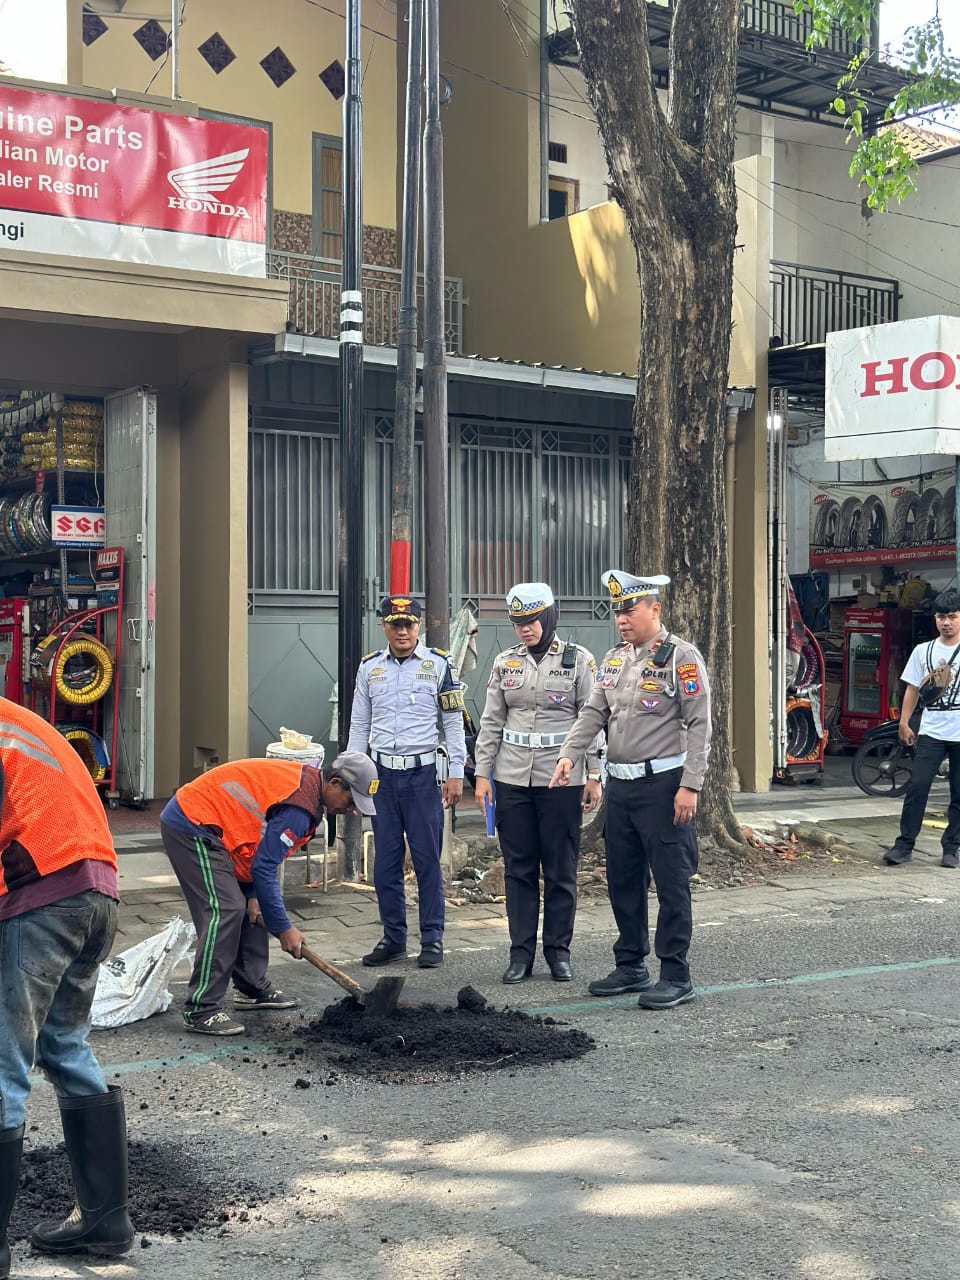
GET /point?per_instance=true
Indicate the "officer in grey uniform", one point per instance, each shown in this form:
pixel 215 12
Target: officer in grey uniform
pixel 535 690
pixel 653 698
pixel 405 694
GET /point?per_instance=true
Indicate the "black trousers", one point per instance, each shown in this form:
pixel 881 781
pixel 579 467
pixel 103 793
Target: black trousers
pixel 927 758
pixel 539 829
pixel 643 841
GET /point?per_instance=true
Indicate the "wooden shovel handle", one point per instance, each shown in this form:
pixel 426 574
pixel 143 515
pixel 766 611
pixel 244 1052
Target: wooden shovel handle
pixel 333 972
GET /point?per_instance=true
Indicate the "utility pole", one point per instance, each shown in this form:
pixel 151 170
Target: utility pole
pixel 175 49
pixel 544 111
pixel 401 532
pixel 350 543
pixel 434 352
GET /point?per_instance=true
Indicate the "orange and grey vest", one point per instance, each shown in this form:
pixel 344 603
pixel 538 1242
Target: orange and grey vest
pixel 234 801
pixel 51 815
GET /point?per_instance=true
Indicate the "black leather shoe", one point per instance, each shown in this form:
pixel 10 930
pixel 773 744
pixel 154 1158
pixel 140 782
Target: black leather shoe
pixel 895 856
pixel 622 981
pixel 431 955
pixel 665 994
pixel 561 971
pixel 516 971
pixel 384 952
pixel 949 858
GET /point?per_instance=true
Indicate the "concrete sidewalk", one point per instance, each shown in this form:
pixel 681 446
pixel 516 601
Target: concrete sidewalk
pixel 342 924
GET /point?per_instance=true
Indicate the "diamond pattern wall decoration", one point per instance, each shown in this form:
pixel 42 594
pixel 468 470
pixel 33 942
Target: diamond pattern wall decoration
pixel 216 53
pixel 93 26
pixel 334 79
pixel 278 66
pixel 152 39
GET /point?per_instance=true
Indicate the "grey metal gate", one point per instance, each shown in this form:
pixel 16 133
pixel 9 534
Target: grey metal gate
pixel 526 502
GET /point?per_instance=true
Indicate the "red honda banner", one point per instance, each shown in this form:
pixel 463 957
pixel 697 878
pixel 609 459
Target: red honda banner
pixel 94 179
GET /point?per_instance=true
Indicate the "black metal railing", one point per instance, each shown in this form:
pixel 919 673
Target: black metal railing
pixel 780 20
pixel 807 303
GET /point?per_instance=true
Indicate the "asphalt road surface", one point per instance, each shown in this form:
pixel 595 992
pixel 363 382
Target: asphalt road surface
pixel 797 1121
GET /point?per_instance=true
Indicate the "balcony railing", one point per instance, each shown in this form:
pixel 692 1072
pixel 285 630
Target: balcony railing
pixel 780 20
pixel 315 300
pixel 807 303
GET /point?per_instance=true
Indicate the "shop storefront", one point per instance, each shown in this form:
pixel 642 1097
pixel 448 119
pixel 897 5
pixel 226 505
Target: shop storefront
pixel 123 429
pixel 869 517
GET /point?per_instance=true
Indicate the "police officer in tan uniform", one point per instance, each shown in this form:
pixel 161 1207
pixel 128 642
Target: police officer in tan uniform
pixel 653 698
pixel 535 691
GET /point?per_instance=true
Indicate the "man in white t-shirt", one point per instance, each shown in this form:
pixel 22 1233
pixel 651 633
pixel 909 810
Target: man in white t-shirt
pixel 932 675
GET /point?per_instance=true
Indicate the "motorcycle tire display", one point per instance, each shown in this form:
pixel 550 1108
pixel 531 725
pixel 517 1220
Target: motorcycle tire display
pixel 883 767
pixel 803 740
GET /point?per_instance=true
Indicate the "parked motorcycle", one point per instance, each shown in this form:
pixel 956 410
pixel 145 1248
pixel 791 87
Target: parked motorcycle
pixel 882 765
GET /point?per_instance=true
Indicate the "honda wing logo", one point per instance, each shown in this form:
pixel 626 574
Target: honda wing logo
pixel 200 185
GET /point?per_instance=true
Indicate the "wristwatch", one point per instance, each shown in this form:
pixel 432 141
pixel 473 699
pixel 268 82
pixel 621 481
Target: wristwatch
pixel 593 777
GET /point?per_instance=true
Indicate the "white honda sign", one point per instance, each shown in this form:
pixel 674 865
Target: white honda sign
pixel 893 390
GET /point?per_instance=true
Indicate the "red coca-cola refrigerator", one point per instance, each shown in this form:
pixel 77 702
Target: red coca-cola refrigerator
pixel 876 645
pixel 14 647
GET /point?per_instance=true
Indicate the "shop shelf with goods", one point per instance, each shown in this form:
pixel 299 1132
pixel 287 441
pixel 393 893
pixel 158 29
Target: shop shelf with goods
pixel 51 479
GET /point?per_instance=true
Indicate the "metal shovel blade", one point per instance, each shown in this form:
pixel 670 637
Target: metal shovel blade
pixel 382 1000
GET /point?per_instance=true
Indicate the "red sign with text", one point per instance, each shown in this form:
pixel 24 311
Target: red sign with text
pixel 77 526
pixel 103 180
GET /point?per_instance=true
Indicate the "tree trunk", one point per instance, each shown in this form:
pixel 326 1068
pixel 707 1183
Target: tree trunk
pixel 673 176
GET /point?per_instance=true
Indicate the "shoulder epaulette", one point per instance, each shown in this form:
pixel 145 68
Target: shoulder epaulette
pixel 443 653
pixel 367 656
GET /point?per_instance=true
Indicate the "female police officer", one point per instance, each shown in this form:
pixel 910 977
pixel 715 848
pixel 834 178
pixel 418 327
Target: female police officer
pixel 535 690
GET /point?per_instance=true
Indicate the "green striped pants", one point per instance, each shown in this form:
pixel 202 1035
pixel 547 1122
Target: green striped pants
pixel 228 946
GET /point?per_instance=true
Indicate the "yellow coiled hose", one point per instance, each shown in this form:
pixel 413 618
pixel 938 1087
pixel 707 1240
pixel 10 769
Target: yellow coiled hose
pixel 84 669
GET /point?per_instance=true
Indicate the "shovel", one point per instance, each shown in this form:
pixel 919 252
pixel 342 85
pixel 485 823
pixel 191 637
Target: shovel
pixel 381 1000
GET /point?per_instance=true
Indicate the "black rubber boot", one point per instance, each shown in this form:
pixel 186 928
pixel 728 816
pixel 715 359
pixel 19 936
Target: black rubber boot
pixel 95 1135
pixel 11 1149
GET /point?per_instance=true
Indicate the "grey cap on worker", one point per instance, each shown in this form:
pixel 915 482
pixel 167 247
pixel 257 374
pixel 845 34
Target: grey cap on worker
pixel 360 774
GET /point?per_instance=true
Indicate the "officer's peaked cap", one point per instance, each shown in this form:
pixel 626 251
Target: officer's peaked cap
pixel 400 609
pixel 527 600
pixel 626 588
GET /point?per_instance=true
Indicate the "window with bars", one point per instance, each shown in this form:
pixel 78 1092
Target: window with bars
pixel 575 495
pixel 525 502
pixel 292 513
pixel 496 509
